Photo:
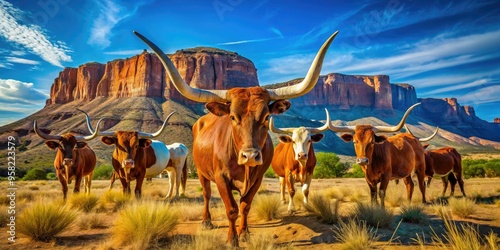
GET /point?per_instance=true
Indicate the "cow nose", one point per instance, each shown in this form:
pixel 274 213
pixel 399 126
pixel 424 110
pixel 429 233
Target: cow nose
pixel 67 161
pixel 129 163
pixel 302 156
pixel 250 157
pixel 362 161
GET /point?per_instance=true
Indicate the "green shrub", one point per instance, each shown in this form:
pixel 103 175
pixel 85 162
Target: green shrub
pixel 51 176
pixel 329 166
pixel 44 221
pixel 356 172
pixel 270 173
pixel 35 174
pixel 102 172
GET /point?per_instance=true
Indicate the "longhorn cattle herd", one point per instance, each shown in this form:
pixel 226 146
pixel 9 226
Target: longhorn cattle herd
pixel 232 147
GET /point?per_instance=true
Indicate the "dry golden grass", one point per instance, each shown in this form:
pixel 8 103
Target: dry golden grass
pixel 442 211
pixel 396 196
pixel 465 237
pixel 462 208
pixel 261 242
pixel 266 207
pixel 373 215
pixel 42 221
pixel 114 199
pixel 83 202
pixel 202 240
pixel 325 209
pixel 142 224
pixel 355 235
pixel 91 221
pixel 188 211
pixel 4 215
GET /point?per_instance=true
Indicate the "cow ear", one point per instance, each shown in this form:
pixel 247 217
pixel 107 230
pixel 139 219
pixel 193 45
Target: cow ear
pixel 279 107
pixel 317 137
pixel 425 145
pixel 108 140
pixel 81 144
pixel 218 109
pixel 380 138
pixel 346 137
pixel 52 144
pixel 285 139
pixel 144 143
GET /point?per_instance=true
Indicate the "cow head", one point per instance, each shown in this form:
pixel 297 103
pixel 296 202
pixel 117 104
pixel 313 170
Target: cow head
pixel 301 138
pixel 247 109
pixel 67 146
pixel 127 143
pixel 364 137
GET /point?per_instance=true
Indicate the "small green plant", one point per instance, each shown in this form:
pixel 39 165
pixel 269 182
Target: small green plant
pixel 373 215
pixel 325 209
pixel 83 202
pixel 142 225
pixel 413 213
pixel 356 172
pixel 51 176
pixel 266 207
pixel 462 208
pixel 43 221
pixel 102 172
pixel 35 174
pixel 355 235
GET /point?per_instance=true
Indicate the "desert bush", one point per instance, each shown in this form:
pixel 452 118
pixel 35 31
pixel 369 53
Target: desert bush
pixel 465 237
pixel 142 225
pixel 42 221
pixel 261 242
pixel 51 176
pixel 442 211
pixel 35 174
pixel 267 207
pixel 413 213
pixel 102 172
pixel 356 172
pixel 481 168
pixel 355 235
pixel 91 221
pixel 83 202
pixel 115 199
pixel 373 215
pixel 4 216
pixel 462 208
pixel 325 209
pixel 329 166
pixel 270 173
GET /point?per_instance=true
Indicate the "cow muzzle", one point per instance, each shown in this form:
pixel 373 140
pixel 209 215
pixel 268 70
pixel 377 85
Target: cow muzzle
pixel 67 161
pixel 362 161
pixel 250 157
pixel 129 163
pixel 302 157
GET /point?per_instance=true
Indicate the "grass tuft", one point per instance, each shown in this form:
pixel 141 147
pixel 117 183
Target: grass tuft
pixel 413 213
pixel 141 225
pixel 462 208
pixel 373 215
pixel 324 208
pixel 464 237
pixel 44 221
pixel 355 235
pixel 267 207
pixel 261 242
pixel 91 221
pixel 115 199
pixel 83 202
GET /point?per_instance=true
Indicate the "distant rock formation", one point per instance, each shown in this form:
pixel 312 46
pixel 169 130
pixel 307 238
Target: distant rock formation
pixel 496 120
pixel 144 76
pixel 448 111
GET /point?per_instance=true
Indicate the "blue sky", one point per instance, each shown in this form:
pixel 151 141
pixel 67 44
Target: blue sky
pixel 443 48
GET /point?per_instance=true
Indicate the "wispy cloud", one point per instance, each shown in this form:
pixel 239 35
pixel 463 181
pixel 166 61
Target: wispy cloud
pixel 482 96
pixel 110 14
pixel 31 37
pixel 248 41
pixel 21 60
pixel 14 91
pixel 18 53
pixel 455 87
pixel 124 52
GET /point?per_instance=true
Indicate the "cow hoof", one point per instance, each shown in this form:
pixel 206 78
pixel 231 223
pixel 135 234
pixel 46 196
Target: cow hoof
pixel 182 195
pixel 245 237
pixel 207 225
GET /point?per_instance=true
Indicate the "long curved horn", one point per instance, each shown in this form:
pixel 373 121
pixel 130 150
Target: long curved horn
pixel 290 130
pixel 87 118
pixel 43 135
pixel 309 81
pixel 388 129
pixel 426 139
pixel 195 94
pixel 278 130
pixel 94 134
pixel 150 136
pixel 340 129
pixel 322 128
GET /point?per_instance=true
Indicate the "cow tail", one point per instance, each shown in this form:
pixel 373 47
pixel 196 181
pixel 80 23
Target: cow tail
pixel 184 175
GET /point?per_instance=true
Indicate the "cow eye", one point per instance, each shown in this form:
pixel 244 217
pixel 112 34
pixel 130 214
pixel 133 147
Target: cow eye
pixel 232 118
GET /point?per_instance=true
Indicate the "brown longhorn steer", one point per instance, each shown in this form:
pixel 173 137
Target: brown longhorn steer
pixel 136 156
pixel 231 144
pixel 294 159
pixel 386 158
pixel 74 158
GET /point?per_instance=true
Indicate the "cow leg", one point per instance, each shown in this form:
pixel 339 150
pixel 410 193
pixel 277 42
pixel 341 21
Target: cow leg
pixel 206 222
pixel 125 186
pixel 460 183
pixel 113 176
pixel 445 185
pixel 373 193
pixel 231 208
pixel 64 185
pixel 382 189
pixel 138 185
pixel 88 183
pixel 428 184
pixel 290 181
pixel 421 183
pixel 78 183
pixel 178 173
pixel 409 187
pixel 305 187
pixel 282 189
pixel 453 182
pixel 245 204
pixel 171 181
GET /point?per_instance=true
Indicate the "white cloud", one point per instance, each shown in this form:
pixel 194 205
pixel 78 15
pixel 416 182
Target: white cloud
pixel 110 14
pixel 31 37
pixel 485 95
pixel 124 52
pixel 455 87
pixel 248 41
pixel 14 92
pixel 18 53
pixel 21 60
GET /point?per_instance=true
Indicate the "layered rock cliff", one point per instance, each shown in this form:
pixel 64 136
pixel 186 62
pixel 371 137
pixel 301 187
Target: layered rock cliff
pixel 143 76
pixel 448 111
